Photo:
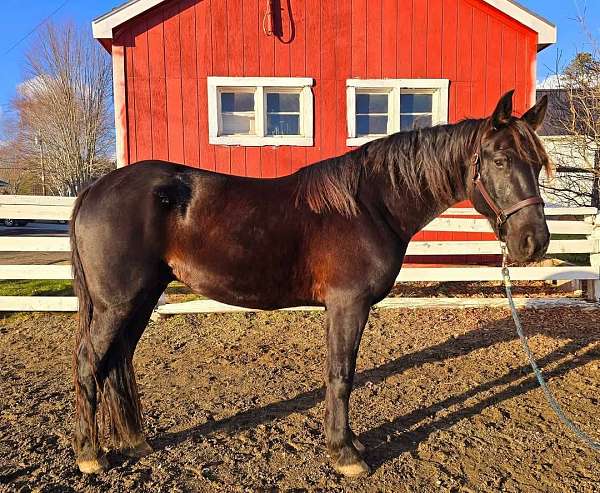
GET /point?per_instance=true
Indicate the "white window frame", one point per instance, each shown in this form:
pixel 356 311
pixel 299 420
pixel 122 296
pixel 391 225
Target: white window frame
pixel 438 88
pixel 261 85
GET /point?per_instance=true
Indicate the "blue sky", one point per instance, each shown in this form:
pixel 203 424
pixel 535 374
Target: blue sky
pixel 21 16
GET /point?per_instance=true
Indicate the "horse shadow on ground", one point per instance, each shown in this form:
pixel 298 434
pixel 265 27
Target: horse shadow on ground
pixel 390 440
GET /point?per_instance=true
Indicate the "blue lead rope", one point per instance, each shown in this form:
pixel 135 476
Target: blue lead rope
pixel 584 437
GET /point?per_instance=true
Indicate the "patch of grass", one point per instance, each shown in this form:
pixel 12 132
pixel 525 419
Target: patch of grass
pixel 176 290
pixel 573 258
pixel 177 287
pixel 36 288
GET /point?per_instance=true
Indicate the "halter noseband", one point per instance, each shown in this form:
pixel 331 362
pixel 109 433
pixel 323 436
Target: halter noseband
pixel 502 215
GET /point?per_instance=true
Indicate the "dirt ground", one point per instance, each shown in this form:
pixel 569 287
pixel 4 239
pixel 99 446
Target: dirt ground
pixel 443 400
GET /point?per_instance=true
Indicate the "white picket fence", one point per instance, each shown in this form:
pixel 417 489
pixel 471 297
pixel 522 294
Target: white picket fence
pixel 586 224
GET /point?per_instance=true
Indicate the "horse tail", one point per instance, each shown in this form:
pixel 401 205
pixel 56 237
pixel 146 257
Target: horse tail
pixel 116 395
pixel 83 342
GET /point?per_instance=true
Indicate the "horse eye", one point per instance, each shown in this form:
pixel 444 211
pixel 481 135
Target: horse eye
pixel 499 163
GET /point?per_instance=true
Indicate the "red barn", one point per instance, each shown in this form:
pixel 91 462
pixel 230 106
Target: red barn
pixel 264 87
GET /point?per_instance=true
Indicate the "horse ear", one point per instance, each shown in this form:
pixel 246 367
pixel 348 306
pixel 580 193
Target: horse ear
pixel 503 111
pixel 535 115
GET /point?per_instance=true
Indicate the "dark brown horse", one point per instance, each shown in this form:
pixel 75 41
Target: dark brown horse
pixel 333 235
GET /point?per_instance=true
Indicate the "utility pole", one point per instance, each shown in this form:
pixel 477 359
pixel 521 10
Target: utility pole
pixel 596 180
pixel 39 141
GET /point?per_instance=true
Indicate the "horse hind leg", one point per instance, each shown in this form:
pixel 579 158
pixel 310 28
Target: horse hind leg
pixel 90 357
pixel 108 379
pixel 121 402
pixel 120 398
pixel 85 440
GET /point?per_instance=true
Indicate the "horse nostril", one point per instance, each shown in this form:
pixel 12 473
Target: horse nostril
pixel 529 245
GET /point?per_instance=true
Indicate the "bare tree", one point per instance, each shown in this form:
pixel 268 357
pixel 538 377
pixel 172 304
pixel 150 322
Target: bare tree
pixel 574 128
pixel 65 128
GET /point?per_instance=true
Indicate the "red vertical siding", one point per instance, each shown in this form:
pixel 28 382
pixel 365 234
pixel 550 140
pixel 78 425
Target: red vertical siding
pixel 405 38
pixel 251 59
pixel 313 66
pixel 235 38
pixel 359 39
pixel 419 39
pixel 521 97
pixel 189 85
pixel 494 71
pixel 389 48
pixel 478 69
pixel 173 71
pixel 171 50
pixel 143 107
pixel 298 69
pixel 434 39
pixel 158 87
pixel 203 33
pixel 449 49
pixel 374 41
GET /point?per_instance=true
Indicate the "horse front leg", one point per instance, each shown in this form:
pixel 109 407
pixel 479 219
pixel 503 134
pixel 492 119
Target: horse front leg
pixel 345 324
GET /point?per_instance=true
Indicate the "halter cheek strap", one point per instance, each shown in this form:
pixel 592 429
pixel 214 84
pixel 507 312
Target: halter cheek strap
pixel 502 215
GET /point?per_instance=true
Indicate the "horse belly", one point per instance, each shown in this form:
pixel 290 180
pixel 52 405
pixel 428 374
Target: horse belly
pixel 240 279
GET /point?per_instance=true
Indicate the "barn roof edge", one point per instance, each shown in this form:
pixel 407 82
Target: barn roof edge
pixel 103 26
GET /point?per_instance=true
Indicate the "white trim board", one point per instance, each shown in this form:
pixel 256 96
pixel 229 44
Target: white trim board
pixel 103 26
pixel 69 304
pixel 38 304
pixel 210 306
pixel 486 274
pixel 18 272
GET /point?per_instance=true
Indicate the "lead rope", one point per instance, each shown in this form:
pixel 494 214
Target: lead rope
pixel 549 397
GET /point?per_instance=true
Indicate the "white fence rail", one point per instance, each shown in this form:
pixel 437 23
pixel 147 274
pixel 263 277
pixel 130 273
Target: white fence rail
pixel 582 222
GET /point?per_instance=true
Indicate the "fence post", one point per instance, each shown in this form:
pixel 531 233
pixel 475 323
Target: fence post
pixel 593 286
pixel 155 317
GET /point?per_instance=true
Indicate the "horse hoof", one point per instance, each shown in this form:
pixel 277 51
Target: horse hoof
pixel 360 448
pixel 138 451
pixel 93 466
pixel 354 470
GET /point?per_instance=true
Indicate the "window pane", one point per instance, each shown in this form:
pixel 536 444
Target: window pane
pixel 415 103
pixel 237 101
pixel 410 122
pixel 371 103
pixel 371 125
pixel 283 124
pixel 283 102
pixel 238 124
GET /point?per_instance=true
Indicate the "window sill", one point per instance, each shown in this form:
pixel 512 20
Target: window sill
pixel 359 141
pixel 252 141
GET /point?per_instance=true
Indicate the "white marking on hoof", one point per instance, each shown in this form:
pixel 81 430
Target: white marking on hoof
pixel 353 470
pixel 93 466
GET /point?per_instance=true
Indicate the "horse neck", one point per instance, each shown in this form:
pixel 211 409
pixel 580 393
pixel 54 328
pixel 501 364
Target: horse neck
pixel 407 209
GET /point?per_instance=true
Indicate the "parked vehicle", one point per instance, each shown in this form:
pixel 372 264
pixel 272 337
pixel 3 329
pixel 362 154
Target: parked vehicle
pixel 11 222
pixel 14 222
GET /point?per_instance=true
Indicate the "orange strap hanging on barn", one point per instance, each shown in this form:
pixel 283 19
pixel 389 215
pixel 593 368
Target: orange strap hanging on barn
pixel 268 19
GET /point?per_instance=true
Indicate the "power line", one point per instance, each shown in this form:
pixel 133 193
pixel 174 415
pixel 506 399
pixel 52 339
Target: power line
pixel 46 19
